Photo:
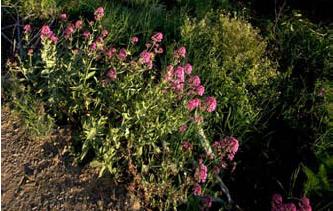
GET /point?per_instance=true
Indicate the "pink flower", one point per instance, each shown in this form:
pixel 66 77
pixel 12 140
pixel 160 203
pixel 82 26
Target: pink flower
pixel 69 31
pixel 201 172
pixel 180 74
pixel 86 34
pixel 183 128
pixel 111 52
pixel 99 13
pixel 134 40
pixel 195 81
pixel 231 146
pixel 198 119
pixel 105 33
pixel 207 201
pixel 158 50
pixel 276 202
pixel 46 32
pixel 305 204
pixel 63 17
pixel 186 145
pixel 30 51
pixel 200 90
pixel 169 74
pixel 210 102
pixel 192 104
pixel 78 24
pixel 181 52
pixel 146 57
pixel 112 74
pixel 27 28
pixel 197 190
pixel 188 68
pixel 54 39
pixel 93 46
pixel 178 86
pixel 122 54
pixel 158 37
pixel 289 207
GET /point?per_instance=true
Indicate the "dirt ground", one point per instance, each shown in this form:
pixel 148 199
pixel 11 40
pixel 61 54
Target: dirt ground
pixel 43 175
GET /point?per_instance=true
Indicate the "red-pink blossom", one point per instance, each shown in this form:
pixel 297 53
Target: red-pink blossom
pixel 188 68
pixel 183 128
pixel 201 172
pixel 46 32
pixel 197 190
pixel 54 38
pixel 194 103
pixel 195 81
pixel 181 52
pixel 27 28
pixel 211 103
pixel 93 46
pixel 305 204
pixel 112 74
pixel 122 54
pixel 110 52
pixel 104 33
pixel 200 90
pixel 186 145
pixel 63 17
pixel 169 73
pixel 231 146
pixel 99 13
pixel 30 51
pixel 180 74
pixel 134 40
pixel 198 119
pixel 145 57
pixel 158 37
pixel 207 201
pixel 69 31
pixel 289 207
pixel 277 202
pixel 78 24
pixel 86 34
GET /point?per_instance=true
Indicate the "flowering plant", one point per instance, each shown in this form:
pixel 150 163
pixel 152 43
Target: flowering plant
pixel 138 119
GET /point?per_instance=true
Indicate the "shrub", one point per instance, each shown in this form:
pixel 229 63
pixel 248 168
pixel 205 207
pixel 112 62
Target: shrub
pixel 230 54
pixel 141 121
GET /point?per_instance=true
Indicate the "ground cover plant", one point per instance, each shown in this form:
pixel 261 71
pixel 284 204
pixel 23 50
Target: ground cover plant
pixel 189 104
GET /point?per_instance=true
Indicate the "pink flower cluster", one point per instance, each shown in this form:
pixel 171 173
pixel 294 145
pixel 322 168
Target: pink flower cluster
pixel 201 172
pixel 47 33
pixel 158 37
pixel 27 28
pixel 134 40
pixel 186 146
pixel 69 31
pixel 278 205
pixel 99 13
pixel 197 190
pixel 112 74
pixel 63 16
pixel 227 147
pixel 207 201
pixel 146 58
pixel 180 53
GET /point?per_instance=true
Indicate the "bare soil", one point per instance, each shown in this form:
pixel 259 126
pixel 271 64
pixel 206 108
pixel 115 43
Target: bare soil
pixel 43 175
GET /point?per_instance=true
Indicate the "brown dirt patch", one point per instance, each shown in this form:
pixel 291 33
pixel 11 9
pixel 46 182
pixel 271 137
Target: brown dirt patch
pixel 43 175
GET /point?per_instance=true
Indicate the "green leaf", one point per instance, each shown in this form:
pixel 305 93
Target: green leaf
pixel 91 74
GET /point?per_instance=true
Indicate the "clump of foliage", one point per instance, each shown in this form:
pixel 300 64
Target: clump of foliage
pixel 230 54
pixel 140 120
